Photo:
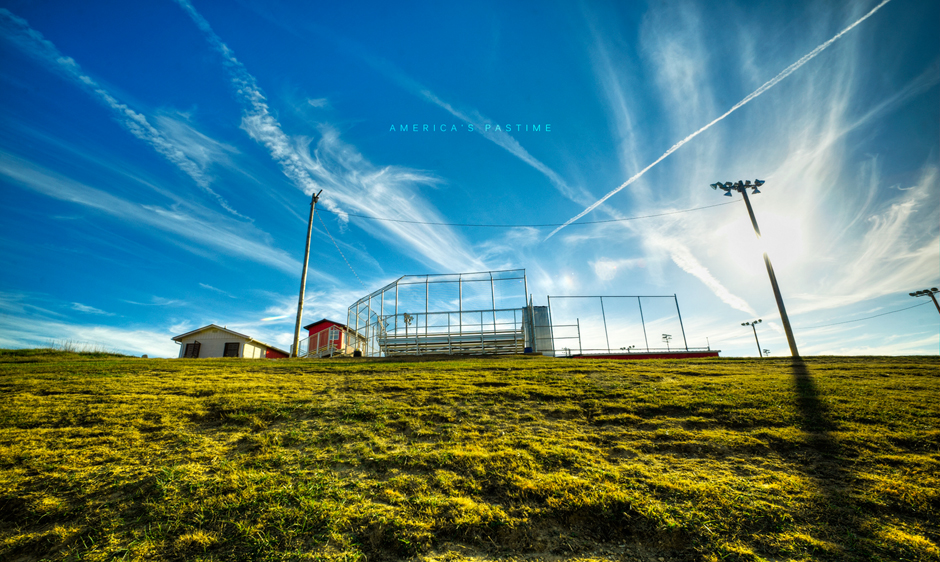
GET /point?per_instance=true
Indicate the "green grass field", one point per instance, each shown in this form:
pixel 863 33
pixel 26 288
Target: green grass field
pixel 104 457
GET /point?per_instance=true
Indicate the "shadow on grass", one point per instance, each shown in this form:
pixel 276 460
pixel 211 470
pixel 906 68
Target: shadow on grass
pixel 840 522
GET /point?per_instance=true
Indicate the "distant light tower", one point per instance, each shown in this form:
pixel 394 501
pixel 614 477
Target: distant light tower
pixel 928 293
pixel 741 187
pixel 666 338
pixel 753 325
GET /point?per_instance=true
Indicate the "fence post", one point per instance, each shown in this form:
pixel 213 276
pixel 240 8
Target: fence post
pixel 369 329
pixel 493 294
pixel 578 324
pixel 643 322
pixel 604 317
pixel 680 322
pixel 551 323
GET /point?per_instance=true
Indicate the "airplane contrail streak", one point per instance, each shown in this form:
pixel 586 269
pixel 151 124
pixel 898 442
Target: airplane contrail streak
pixel 769 84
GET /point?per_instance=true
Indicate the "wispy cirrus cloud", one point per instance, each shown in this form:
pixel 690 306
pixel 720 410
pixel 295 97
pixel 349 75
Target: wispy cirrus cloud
pixel 501 138
pixel 257 120
pixel 893 248
pixel 177 143
pixel 191 232
pixel 216 290
pixel 467 115
pixel 89 309
pixel 606 269
pixel 23 324
pixel 683 257
pixel 19 333
pixel 766 86
pixel 389 191
pixel 352 181
pixel 855 227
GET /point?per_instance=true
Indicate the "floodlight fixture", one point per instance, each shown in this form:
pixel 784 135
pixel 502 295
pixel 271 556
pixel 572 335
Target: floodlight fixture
pixel 741 187
pixel 928 293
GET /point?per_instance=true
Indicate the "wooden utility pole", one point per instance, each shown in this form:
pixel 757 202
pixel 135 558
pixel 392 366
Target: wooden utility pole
pixel 303 277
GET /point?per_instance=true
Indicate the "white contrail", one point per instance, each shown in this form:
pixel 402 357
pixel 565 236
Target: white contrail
pixel 770 84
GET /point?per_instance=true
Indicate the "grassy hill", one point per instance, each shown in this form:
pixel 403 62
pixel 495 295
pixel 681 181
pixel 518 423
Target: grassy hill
pixel 104 458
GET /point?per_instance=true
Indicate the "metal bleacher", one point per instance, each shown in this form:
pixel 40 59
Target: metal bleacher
pixel 500 342
pixel 494 332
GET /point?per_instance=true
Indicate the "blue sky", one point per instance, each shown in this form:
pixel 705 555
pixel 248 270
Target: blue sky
pixel 156 161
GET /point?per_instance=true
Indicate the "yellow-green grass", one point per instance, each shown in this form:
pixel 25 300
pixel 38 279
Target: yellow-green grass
pixel 104 458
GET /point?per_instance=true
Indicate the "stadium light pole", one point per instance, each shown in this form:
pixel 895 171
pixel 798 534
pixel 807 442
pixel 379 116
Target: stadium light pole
pixel 294 352
pixel 753 326
pixel 741 187
pixel 928 293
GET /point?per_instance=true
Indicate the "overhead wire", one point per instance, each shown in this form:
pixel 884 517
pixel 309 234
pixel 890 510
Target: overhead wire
pixel 407 221
pixel 730 336
pixel 868 317
pixel 338 250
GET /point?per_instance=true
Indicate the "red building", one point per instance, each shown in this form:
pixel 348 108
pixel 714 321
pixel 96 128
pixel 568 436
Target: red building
pixel 326 338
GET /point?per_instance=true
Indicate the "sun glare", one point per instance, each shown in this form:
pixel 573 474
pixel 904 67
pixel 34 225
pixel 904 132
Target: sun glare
pixel 781 238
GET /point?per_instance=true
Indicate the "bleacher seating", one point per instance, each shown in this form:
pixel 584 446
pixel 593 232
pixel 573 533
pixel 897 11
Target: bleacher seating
pixel 499 342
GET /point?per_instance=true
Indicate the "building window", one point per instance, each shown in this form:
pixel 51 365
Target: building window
pixel 334 333
pixel 192 350
pixel 231 350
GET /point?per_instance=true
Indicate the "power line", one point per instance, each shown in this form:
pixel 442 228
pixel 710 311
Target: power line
pixel 367 217
pixel 729 336
pixel 868 317
pixel 340 251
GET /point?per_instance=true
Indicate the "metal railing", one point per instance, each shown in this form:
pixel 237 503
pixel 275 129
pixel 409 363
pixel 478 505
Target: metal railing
pixel 586 352
pixel 321 344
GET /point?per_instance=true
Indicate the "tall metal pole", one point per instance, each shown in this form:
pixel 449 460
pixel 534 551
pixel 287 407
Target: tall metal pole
pixel 753 327
pixel 935 302
pixel 773 282
pixel 604 317
pixel 303 276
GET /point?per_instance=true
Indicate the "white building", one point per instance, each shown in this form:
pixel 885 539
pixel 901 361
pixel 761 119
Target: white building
pixel 216 341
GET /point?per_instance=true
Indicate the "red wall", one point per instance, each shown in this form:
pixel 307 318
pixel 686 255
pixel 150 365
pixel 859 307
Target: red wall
pixel 318 328
pixel 273 354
